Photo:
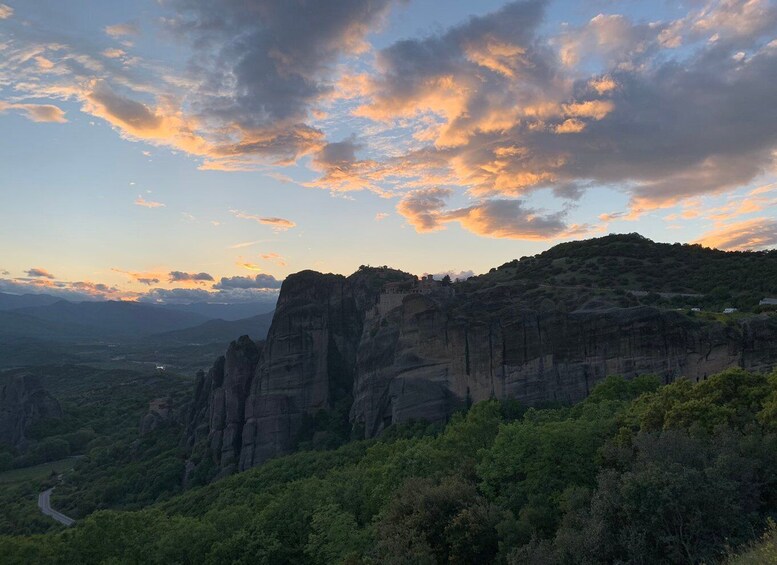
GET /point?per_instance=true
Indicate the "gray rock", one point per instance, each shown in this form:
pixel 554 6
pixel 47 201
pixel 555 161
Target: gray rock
pixel 430 354
pixel 23 401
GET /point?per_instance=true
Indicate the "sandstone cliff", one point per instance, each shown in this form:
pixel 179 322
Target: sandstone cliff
pixel 428 354
pixel 23 401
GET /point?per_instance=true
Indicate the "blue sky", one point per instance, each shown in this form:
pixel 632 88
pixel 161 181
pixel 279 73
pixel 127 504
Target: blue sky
pixel 265 137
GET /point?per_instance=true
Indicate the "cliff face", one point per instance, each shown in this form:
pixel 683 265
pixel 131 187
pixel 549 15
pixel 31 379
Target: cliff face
pixel 434 353
pixel 421 362
pixel 307 363
pixel 23 401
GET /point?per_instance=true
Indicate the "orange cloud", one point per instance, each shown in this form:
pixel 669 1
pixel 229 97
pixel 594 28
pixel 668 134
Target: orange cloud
pixel 758 233
pixel 37 112
pixel 497 55
pixel 5 11
pixel 164 124
pixel 596 109
pixel 121 30
pixel 602 85
pixel 426 211
pixel 571 125
pixel 140 201
pixel 274 258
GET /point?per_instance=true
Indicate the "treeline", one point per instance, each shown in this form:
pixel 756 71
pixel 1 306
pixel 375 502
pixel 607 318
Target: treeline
pixel 638 472
pixel 632 262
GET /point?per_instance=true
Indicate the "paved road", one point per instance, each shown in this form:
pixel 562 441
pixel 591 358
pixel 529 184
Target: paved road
pixel 44 503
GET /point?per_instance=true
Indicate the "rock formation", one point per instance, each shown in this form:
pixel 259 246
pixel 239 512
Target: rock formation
pixel 23 401
pixel 160 413
pixel 431 353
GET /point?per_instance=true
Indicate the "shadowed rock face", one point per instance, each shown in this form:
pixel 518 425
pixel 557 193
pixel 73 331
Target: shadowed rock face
pixel 435 353
pixel 307 363
pixel 217 415
pixel 424 362
pixel 160 413
pixel 23 401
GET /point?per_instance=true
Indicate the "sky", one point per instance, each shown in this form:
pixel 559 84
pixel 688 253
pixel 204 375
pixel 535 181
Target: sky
pixel 190 150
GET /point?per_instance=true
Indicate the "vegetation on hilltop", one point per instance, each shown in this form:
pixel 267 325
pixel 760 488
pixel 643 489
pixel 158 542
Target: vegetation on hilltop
pixel 608 266
pixel 680 473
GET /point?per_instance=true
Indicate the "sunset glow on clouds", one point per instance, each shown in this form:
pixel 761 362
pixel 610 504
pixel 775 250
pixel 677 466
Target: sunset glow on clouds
pixel 529 122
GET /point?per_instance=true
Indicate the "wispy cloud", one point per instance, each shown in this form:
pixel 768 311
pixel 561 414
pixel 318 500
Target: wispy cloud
pixel 758 233
pixel 147 279
pixel 37 272
pixel 243 244
pixel 140 201
pixel 250 266
pixel 123 29
pixel 274 258
pixel 278 224
pixel 37 112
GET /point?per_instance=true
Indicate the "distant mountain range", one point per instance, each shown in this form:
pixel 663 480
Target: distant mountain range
pixel 47 318
pixel 229 312
pixel 14 301
pixel 217 331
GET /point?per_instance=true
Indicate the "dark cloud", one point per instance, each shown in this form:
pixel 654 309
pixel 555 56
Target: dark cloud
pixel 130 112
pixel 180 276
pixel 39 273
pixel 423 208
pixel 339 154
pixel 515 114
pixel 259 281
pixel 147 281
pixel 263 63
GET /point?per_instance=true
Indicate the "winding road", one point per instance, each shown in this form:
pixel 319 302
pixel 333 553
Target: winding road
pixel 44 503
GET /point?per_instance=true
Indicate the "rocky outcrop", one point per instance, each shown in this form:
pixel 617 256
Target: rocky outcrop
pixel 160 413
pixel 217 415
pixel 428 354
pixel 23 401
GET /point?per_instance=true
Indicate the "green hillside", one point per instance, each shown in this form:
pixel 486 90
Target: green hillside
pixel 614 265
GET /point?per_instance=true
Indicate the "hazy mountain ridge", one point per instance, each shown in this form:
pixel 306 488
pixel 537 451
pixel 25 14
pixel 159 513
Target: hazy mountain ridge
pixel 217 331
pixel 48 318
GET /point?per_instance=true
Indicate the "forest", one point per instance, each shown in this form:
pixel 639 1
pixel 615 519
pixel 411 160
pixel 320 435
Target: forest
pixel 636 473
